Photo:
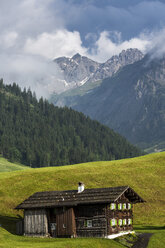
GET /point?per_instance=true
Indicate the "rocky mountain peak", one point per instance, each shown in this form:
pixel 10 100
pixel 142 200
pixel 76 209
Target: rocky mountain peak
pixel 80 69
pixel 77 56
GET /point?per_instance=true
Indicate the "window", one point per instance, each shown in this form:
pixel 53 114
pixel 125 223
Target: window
pixel 53 226
pixel 129 206
pixel 120 206
pixel 88 223
pixel 113 222
pixel 124 206
pixel 124 222
pixel 120 222
pixel 113 206
pixel 129 221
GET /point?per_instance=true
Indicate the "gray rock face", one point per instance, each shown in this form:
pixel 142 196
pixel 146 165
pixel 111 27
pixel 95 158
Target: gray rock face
pixel 112 65
pixel 132 102
pixel 76 70
pixel 79 69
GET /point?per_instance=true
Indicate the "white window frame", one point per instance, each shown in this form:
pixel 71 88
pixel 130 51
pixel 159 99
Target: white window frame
pixel 53 226
pixel 89 223
pixel 113 222
pixel 120 206
pixel 120 220
pixel 113 206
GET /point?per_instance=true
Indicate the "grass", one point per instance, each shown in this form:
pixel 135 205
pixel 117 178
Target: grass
pixel 77 92
pixel 8 240
pixel 6 166
pixel 144 174
pixel 156 147
pixel 157 240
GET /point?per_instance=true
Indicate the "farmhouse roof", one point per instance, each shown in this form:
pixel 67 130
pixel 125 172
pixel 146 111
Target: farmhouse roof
pixel 73 198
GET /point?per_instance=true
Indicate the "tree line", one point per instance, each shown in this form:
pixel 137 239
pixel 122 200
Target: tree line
pixel 36 133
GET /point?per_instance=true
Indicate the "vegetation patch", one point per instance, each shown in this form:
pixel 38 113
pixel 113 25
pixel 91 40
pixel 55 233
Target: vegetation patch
pixel 38 134
pixel 6 166
pixel 8 240
pixel 127 240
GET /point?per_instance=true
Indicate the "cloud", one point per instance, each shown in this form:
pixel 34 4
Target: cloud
pixel 156 46
pixel 8 39
pixel 105 47
pixel 30 71
pixel 33 32
pixel 56 44
pixel 66 43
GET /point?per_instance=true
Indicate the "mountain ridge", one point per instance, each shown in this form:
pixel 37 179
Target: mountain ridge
pixel 79 70
pixel 132 102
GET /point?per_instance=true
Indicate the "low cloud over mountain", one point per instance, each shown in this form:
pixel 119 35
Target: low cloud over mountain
pixel 33 33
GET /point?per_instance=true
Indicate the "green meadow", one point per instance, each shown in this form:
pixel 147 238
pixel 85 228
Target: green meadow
pixel 144 174
pixel 6 166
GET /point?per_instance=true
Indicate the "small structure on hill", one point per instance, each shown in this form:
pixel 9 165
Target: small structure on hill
pixel 98 212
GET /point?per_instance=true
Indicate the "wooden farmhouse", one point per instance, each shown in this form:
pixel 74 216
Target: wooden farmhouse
pixel 98 212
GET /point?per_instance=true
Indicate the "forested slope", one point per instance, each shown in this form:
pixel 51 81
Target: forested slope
pixel 37 133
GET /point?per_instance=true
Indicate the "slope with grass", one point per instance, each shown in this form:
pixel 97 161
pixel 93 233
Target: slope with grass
pixel 6 166
pixel 144 174
pixel 8 240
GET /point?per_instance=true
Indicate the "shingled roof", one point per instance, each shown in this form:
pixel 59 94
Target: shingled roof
pixel 73 198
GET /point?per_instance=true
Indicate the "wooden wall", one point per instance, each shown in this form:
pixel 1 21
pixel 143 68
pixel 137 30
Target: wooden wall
pixel 65 220
pixel 35 222
pixel 95 213
pixel 72 222
pixel 20 227
pixel 119 214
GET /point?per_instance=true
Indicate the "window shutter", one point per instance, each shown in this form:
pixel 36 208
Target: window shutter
pixel 120 206
pixel 124 222
pixel 129 206
pixel 120 222
pixel 124 205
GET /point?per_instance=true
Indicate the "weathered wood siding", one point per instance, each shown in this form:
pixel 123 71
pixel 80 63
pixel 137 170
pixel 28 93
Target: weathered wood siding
pixel 95 214
pixel 20 227
pixel 65 220
pixel 35 222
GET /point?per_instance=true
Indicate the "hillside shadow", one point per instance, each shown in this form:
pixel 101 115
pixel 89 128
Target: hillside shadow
pixel 9 223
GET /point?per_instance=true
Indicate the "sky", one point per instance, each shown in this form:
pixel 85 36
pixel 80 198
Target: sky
pixel 34 32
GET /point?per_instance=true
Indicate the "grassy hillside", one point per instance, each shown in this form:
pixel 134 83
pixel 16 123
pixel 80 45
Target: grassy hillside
pixel 6 166
pixel 143 174
pixel 69 98
pixel 8 240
